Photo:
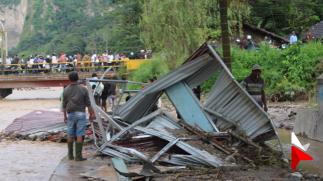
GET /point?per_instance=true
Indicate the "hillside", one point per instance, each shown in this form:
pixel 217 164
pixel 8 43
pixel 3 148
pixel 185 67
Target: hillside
pixel 174 26
pixel 12 15
pixel 52 26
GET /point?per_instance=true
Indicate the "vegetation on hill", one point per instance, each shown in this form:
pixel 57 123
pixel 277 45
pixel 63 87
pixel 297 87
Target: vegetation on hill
pixel 173 28
pixel 288 73
pixel 285 16
pixel 80 26
pixel 9 2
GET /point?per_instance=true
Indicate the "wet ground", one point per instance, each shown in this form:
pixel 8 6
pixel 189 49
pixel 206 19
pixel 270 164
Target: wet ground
pixel 94 167
pixel 283 114
pixel 315 150
pixel 26 160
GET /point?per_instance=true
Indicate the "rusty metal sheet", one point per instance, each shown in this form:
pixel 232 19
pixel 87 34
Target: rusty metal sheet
pixel 35 121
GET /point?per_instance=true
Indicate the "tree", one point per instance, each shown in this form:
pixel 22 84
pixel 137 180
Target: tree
pixel 285 16
pixel 175 28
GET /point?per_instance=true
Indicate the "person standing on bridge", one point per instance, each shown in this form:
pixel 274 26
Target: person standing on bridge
pixel 86 60
pixel 75 101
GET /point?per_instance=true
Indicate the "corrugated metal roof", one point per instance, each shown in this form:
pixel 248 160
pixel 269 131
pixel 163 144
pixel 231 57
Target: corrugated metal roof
pixel 317 30
pixel 35 122
pixel 138 105
pixel 230 100
pixel 227 97
pixel 228 105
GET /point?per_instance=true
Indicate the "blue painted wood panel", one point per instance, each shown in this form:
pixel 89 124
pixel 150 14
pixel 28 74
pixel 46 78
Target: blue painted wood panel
pixel 188 106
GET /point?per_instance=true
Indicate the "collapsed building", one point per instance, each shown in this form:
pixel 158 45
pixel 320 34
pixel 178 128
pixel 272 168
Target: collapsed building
pixel 228 124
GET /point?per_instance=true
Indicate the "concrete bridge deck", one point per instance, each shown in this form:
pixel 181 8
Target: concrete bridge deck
pixel 9 82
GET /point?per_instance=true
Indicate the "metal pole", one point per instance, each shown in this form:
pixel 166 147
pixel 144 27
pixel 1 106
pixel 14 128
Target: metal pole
pixel 3 47
pixel 115 81
pixel 6 43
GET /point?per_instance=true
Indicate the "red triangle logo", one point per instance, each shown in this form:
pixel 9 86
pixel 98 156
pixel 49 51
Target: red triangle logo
pixel 297 156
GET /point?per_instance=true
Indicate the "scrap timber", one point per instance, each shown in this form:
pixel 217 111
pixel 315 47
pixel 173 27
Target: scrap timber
pixel 210 134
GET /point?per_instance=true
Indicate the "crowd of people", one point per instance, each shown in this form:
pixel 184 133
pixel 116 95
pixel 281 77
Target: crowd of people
pixel 248 43
pixel 66 63
pixel 103 92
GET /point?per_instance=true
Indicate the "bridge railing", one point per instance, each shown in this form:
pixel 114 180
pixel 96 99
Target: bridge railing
pixel 63 67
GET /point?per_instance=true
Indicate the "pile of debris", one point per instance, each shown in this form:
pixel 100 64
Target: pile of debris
pixel 38 125
pixel 227 131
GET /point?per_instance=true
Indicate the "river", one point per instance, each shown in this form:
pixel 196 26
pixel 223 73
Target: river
pixel 26 160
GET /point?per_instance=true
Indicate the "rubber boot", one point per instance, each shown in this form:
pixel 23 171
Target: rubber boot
pixel 78 152
pixel 70 146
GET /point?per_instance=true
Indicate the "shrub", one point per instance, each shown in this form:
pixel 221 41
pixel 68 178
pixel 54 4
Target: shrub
pixel 156 67
pixel 286 72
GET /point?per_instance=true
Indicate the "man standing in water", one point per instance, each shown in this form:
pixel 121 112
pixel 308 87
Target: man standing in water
pixel 255 85
pixel 75 101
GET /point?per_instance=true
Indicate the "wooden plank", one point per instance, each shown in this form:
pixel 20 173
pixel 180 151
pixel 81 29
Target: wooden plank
pixel 188 107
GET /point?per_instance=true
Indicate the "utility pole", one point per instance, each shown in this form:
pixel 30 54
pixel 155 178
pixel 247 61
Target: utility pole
pixel 3 46
pixel 225 32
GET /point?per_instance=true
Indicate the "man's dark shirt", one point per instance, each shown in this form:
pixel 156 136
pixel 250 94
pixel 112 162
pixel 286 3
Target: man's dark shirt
pixel 76 98
pixel 254 88
pixel 112 89
pixel 197 91
pixel 106 89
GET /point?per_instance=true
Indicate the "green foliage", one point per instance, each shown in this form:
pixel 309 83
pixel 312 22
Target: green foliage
pixel 285 71
pixel 175 27
pixel 238 12
pixel 285 16
pixel 80 26
pixel 9 2
pixel 156 67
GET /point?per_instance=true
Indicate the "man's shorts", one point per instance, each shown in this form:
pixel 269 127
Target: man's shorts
pixel 76 124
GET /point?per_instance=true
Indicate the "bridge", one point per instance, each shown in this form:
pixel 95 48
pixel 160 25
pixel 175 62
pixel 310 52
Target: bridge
pixel 19 76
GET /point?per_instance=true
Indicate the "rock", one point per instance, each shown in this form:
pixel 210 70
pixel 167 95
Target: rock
pixel 292 113
pixel 280 125
pixel 13 136
pixel 32 137
pixel 285 160
pixel 296 176
pixel 230 159
pixel 312 177
pixel 289 126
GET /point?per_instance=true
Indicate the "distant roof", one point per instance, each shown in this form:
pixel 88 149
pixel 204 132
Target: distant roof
pixel 268 33
pixel 317 30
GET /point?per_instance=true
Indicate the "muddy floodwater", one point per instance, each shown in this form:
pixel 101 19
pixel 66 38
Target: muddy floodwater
pixel 26 160
pixel 22 102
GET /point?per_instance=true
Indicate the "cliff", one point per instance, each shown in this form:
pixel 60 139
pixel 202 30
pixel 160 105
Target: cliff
pixel 13 17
